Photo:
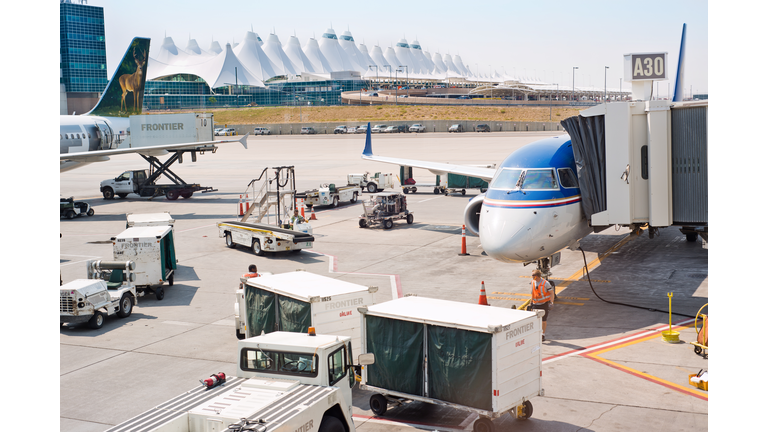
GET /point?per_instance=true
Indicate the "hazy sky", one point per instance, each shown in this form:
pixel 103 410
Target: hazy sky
pixel 543 39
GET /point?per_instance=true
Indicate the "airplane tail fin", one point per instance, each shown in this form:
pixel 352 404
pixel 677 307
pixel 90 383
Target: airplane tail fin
pixel 679 85
pixel 128 80
pixel 368 150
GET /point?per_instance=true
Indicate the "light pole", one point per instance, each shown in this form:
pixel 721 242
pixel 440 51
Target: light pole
pixel 605 95
pixel 573 86
pixel 407 86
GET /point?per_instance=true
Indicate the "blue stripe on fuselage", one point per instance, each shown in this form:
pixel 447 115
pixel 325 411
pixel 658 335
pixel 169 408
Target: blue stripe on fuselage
pixel 555 152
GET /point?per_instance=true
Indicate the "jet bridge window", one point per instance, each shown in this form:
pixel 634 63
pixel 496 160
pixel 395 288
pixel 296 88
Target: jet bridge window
pixel 539 179
pixel 277 362
pixel 506 178
pixel 567 178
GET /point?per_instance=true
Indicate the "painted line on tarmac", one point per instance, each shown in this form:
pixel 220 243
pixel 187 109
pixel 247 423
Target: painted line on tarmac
pixel 419 202
pixel 394 280
pixel 417 425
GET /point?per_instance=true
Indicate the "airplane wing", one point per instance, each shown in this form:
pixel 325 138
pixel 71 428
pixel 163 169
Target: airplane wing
pixel 157 150
pixel 436 168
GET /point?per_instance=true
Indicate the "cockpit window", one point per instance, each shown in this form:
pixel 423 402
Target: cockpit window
pixel 506 178
pixel 567 178
pixel 539 179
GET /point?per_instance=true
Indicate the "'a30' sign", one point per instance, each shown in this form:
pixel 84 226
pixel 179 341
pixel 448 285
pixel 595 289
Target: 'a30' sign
pixel 646 66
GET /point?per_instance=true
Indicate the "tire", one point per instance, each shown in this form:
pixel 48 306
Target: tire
pixel 331 424
pixel 108 193
pixel 122 195
pixel 527 410
pixel 697 350
pixel 691 237
pixel 335 201
pixel 483 424
pixel 228 241
pixel 388 224
pixel 409 219
pixel 371 187
pixel 170 280
pixel 90 212
pixel 70 214
pixel 172 195
pixel 354 198
pixel 378 404
pixel 160 293
pixel 406 190
pixel 186 194
pixel 126 306
pixel 362 223
pixel 463 191
pixel 413 190
pixel 97 320
pixel 256 247
pixel 437 191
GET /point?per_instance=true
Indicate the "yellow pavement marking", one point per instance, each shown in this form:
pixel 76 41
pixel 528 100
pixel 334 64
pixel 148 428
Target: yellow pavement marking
pixel 569 303
pixel 569 280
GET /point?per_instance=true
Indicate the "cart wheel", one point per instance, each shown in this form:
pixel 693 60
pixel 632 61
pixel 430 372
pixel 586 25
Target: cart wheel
pixel 108 194
pixel 172 195
pixel 483 424
pixel 697 350
pixel 70 214
pixel 170 280
pixel 335 201
pixel 437 191
pixel 228 240
pixel 371 187
pixel 97 320
pixel 362 223
pixel 525 411
pixel 406 190
pixel 160 293
pixel 126 306
pixel 463 191
pixel 413 190
pixel 186 194
pixel 409 219
pixel 90 212
pixel 354 198
pixel 378 404
pixel 256 246
pixel 388 224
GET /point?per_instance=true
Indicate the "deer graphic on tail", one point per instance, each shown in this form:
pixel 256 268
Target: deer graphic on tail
pixel 133 82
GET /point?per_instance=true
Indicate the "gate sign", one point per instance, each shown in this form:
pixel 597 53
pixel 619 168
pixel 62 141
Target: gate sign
pixel 641 67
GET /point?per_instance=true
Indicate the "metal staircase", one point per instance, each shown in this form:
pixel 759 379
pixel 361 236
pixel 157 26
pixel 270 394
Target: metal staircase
pixel 278 192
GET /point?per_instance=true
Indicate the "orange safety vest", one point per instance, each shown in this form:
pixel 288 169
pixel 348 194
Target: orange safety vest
pixel 251 275
pixel 539 295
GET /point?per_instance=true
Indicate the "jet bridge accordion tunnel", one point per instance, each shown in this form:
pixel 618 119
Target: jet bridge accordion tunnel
pixel 643 162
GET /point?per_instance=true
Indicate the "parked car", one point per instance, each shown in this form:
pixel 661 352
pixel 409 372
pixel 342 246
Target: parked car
pixel 340 129
pixel 464 97
pixel 456 128
pixel 216 131
pixel 308 130
pixel 261 131
pixel 378 128
pixel 362 129
pixel 226 132
pixel 402 128
pixel 390 129
pixel 482 128
pixel 417 128
pixel 351 129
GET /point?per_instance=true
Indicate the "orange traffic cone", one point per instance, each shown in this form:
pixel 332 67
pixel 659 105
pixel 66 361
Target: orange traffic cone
pixel 312 215
pixel 483 299
pixel 463 241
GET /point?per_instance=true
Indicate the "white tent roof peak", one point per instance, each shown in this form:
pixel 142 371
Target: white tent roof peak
pixel 215 47
pixel 274 51
pixel 316 57
pixel 250 54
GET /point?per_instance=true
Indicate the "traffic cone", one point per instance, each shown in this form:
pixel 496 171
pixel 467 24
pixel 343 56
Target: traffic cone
pixel 312 215
pixel 483 299
pixel 240 205
pixel 463 241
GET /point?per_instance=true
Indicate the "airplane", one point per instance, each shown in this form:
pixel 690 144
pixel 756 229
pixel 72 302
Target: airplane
pixel 95 135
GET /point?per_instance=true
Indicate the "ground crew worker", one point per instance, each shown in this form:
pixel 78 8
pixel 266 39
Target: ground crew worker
pixel 297 218
pixel 252 273
pixel 542 297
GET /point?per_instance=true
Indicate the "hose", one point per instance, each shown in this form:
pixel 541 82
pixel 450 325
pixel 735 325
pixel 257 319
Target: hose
pixel 586 267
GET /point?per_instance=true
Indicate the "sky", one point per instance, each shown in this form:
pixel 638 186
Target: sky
pixel 543 40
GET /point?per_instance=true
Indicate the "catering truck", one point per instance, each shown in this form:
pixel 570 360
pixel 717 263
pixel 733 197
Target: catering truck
pixel 295 301
pixel 286 382
pixel 475 358
pixel 152 249
pixel 331 195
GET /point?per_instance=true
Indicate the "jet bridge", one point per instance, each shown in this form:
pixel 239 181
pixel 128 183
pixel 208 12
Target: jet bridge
pixel 643 162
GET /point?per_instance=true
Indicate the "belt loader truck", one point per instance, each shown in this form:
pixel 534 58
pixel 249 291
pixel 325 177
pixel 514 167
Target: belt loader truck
pixel 330 195
pixel 286 382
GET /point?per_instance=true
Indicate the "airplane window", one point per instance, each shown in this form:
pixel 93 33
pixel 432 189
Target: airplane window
pixel 66 136
pixel 506 179
pixel 61 137
pixel 567 178
pixel 540 179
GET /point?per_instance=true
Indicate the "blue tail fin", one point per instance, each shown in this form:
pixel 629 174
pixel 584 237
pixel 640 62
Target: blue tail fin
pixel 368 151
pixel 124 94
pixel 678 96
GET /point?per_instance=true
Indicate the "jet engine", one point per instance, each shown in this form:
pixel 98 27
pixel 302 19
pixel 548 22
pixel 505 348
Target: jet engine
pixel 472 214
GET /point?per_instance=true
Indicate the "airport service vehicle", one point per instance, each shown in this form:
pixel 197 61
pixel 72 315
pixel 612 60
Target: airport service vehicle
pixel 329 194
pixel 456 128
pixel 417 342
pixel 362 129
pixel 295 301
pixel 153 251
pixel 261 131
pixel 378 128
pixel 460 184
pixel 226 132
pixel 417 128
pixel 108 290
pixel 266 238
pixel 69 208
pixel 384 208
pixel 482 128
pixel 142 183
pixel 340 129
pixel 308 131
pixel 289 382
pixel 377 183
pixel 351 130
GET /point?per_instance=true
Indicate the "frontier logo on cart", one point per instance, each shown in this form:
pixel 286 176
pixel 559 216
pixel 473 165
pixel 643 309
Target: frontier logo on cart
pixel 515 332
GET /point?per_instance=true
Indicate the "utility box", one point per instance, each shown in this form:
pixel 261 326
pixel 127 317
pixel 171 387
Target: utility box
pixel 157 129
pixel 295 301
pixel 478 358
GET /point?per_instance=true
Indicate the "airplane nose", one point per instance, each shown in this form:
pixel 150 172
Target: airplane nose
pixel 505 234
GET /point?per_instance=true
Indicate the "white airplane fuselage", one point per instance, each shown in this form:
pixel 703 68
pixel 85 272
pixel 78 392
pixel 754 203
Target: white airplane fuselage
pixel 86 133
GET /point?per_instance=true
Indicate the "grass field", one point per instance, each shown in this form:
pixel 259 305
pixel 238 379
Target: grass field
pixel 356 114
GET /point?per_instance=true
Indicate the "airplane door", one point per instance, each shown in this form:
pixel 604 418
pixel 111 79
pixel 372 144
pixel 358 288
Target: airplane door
pixel 139 179
pixel 106 135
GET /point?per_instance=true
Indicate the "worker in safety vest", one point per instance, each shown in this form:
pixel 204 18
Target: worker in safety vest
pixel 542 297
pixel 251 273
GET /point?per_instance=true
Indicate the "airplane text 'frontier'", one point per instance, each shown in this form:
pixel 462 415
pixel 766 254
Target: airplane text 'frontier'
pixel 162 126
pixel 343 303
